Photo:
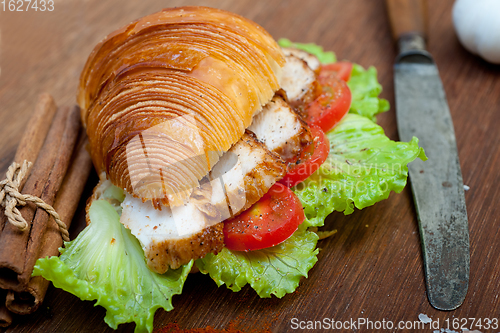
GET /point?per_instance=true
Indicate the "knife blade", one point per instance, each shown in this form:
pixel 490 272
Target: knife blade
pixel 437 185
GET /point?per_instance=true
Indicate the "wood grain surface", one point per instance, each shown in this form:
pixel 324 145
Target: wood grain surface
pixel 372 267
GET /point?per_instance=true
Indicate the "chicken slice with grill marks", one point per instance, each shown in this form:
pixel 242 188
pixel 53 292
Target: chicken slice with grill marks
pixel 281 129
pixel 173 236
pixel 299 81
pixel 248 171
pixel 311 60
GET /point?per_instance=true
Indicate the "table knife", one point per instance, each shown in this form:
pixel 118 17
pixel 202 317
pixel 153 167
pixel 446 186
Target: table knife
pixel 437 186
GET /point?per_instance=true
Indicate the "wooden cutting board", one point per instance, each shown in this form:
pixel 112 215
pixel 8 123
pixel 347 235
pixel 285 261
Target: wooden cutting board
pixel 372 267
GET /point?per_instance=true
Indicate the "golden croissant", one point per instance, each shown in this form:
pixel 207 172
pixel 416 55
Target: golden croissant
pixel 188 80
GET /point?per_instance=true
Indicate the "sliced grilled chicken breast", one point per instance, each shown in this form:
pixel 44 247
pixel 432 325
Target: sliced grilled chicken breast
pixel 281 129
pixel 248 171
pixel 298 80
pixel 311 60
pixel 173 236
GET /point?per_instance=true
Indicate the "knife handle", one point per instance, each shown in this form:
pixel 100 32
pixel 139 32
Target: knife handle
pixel 408 19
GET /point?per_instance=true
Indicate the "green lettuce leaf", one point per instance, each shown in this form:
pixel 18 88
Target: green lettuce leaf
pixel 363 167
pixel 273 271
pixel 364 86
pixel 106 263
pixel 365 90
pixel 325 57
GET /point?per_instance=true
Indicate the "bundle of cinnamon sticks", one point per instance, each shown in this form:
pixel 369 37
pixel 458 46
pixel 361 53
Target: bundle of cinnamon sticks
pixel 56 145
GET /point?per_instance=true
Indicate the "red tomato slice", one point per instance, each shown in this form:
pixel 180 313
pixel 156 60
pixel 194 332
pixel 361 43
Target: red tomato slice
pixel 331 105
pixel 341 69
pixel 270 221
pixel 299 172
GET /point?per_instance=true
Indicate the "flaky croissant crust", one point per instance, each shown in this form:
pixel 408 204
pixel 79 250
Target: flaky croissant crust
pixel 165 96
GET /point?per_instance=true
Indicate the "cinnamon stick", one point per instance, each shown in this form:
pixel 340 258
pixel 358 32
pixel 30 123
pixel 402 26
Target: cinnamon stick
pixel 34 136
pixel 13 252
pixel 5 315
pixel 41 219
pixel 38 127
pixel 66 203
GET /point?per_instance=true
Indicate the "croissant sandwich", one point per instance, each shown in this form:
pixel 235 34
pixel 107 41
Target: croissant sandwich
pixel 199 123
pixel 181 110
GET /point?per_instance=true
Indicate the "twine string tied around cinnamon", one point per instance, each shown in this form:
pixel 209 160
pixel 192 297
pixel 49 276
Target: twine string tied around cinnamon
pixel 10 198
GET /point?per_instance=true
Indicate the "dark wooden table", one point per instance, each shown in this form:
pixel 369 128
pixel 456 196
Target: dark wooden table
pixel 372 268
